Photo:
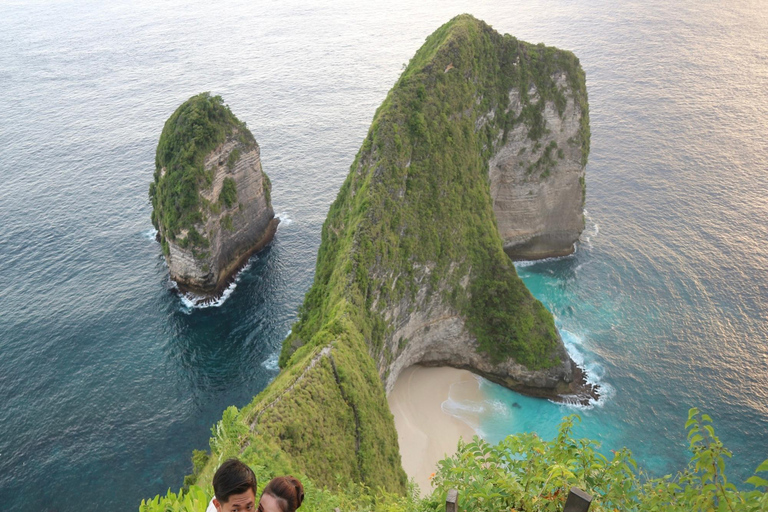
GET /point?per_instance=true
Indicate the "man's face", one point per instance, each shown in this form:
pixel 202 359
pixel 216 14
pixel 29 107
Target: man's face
pixel 245 502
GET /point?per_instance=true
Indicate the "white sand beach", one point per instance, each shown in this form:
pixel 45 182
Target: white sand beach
pixel 425 432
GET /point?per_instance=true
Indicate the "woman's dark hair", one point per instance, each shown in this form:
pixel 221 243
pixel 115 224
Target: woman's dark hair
pixel 233 477
pixel 288 492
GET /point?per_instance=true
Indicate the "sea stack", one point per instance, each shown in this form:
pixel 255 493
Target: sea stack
pixel 210 196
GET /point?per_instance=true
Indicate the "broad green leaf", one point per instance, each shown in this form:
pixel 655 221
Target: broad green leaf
pixel 757 481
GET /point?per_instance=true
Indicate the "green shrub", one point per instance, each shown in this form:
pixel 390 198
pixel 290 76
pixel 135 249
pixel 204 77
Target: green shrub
pixel 525 473
pixel 267 184
pixel 232 159
pixel 226 222
pixel 228 194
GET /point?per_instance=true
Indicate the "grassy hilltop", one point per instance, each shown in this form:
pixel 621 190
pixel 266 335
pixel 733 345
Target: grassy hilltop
pixel 416 198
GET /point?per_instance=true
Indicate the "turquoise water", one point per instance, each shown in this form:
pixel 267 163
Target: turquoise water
pixel 108 381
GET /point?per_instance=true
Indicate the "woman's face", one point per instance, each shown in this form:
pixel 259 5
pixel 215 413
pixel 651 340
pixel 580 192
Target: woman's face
pixel 269 503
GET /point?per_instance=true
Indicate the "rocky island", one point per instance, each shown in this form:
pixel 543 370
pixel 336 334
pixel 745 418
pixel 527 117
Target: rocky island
pixel 210 196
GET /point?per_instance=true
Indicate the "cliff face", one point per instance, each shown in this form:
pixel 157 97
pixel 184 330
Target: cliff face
pixel 234 232
pixel 537 189
pixel 210 228
pixel 429 332
pixel 538 186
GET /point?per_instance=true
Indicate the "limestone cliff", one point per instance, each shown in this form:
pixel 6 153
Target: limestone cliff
pixel 430 332
pixel 211 197
pixel 479 147
pixel 538 185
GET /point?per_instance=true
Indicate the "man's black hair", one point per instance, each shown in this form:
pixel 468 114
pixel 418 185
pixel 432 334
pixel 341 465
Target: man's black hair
pixel 233 477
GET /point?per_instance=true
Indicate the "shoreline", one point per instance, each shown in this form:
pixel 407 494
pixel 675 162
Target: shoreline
pixel 426 433
pixel 578 391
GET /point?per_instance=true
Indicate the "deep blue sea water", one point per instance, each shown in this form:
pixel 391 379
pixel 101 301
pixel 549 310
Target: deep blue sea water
pixel 107 381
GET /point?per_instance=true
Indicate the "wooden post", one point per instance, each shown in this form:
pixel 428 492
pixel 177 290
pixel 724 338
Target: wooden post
pixel 451 501
pixel 578 501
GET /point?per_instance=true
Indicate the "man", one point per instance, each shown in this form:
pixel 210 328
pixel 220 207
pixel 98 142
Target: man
pixel 234 488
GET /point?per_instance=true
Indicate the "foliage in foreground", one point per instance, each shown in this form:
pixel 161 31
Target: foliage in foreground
pixel 525 473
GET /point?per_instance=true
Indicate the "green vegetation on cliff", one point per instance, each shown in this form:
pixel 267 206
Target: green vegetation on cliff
pixel 416 212
pixel 325 416
pixel 199 125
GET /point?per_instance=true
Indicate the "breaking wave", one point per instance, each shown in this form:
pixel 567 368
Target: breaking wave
pixel 150 235
pixel 270 363
pixel 285 220
pixel 191 301
pixel 595 372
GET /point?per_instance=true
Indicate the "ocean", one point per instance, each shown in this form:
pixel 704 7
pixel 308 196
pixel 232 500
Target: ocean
pixel 108 380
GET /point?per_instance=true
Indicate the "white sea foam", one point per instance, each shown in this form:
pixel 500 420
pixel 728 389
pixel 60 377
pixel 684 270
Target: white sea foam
pixel 593 231
pixel 150 235
pixel 466 412
pixel 528 263
pixel 499 408
pixel 192 301
pixel 457 408
pixel 574 345
pixel 285 220
pixel 270 363
pixel 580 266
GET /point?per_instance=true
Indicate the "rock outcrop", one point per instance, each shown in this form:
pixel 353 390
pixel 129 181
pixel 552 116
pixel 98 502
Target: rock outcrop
pixel 226 215
pixel 479 148
pixel 234 231
pixel 429 332
pixel 538 186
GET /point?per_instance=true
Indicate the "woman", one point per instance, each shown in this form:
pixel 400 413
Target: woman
pixel 282 494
